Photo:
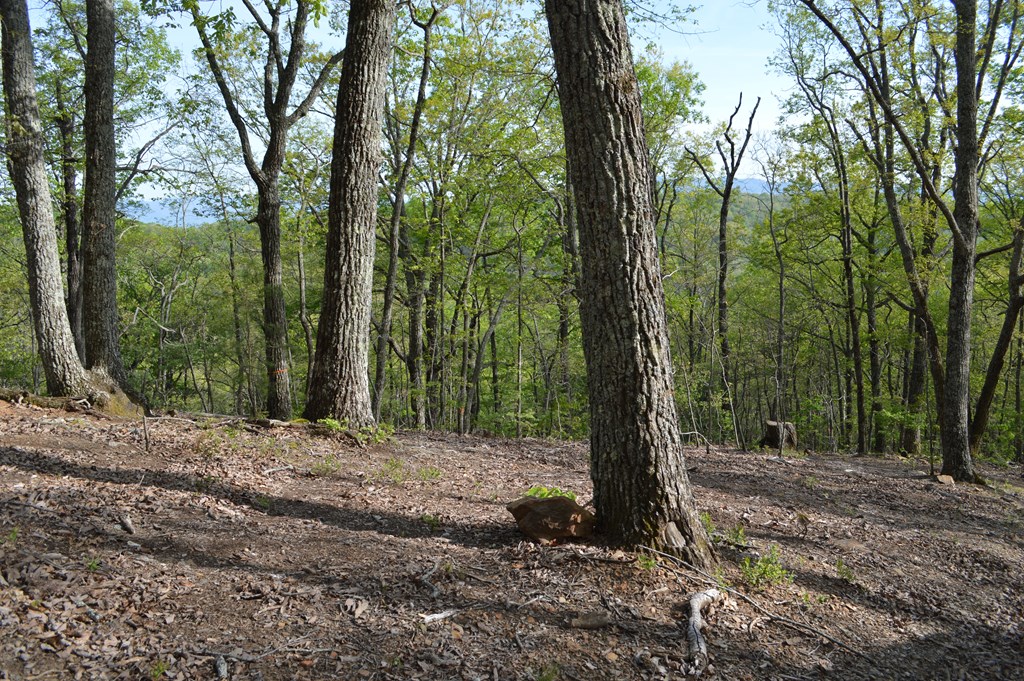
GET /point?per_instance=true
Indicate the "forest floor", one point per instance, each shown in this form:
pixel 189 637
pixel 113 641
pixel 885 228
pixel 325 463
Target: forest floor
pixel 226 550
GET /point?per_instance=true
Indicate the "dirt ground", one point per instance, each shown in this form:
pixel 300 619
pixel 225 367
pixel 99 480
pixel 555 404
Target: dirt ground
pixel 223 550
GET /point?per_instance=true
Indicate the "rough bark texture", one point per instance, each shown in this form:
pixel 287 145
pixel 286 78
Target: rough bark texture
pixel 99 273
pixel 339 387
pixel 275 321
pixel 398 246
pixel 64 372
pixel 641 491
pixel 72 229
pixel 956 451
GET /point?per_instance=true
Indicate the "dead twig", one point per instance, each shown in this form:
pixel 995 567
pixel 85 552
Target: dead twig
pixel 772 617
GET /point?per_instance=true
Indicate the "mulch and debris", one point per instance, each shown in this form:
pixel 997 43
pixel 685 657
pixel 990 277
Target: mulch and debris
pixel 212 548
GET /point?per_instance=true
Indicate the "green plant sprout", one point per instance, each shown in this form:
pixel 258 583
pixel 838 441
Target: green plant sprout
pixel 542 492
pixel 766 570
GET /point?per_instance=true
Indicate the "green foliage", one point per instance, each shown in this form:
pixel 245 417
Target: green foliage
pixel 394 470
pixel 333 425
pixel 845 572
pixel 12 536
pixel 542 492
pixel 646 562
pixel 766 570
pixel 737 536
pixel 92 565
pixel 429 473
pixel 158 670
pixel 720 579
pixel 207 483
pixel 431 521
pixel 709 525
pixel 327 466
pixel 549 672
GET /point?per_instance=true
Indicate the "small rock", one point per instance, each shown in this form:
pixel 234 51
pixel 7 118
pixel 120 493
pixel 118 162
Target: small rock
pixel 946 480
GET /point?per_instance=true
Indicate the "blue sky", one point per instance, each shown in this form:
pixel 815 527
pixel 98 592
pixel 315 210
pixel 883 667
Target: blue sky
pixel 729 48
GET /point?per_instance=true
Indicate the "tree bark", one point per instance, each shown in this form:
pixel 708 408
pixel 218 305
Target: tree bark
pixel 983 409
pixel 72 228
pixel 339 386
pixel 641 489
pixel 64 372
pixel 956 450
pixel 396 248
pixel 99 272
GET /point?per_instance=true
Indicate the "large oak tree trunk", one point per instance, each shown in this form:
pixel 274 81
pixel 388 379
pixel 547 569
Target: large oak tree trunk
pixel 64 372
pixel 641 490
pixel 99 274
pixel 339 386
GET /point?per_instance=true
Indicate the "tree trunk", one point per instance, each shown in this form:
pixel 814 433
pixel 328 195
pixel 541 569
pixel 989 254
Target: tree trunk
pixel 956 450
pixel 275 322
pixel 64 372
pixel 874 349
pixel 339 386
pixel 983 408
pixel 72 229
pixel 279 75
pixel 910 434
pixel 1018 439
pixel 307 326
pixel 397 214
pixel 99 276
pixel 641 489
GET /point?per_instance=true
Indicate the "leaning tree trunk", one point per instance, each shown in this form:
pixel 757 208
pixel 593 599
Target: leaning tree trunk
pixel 641 489
pixel 99 273
pixel 64 372
pixel 339 386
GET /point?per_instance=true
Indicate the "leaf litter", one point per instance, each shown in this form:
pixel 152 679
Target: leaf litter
pixel 225 550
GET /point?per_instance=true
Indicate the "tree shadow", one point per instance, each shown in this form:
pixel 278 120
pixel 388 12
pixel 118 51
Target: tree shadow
pixel 479 535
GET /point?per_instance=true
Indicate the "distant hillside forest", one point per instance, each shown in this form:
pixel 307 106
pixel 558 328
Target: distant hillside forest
pixel 830 279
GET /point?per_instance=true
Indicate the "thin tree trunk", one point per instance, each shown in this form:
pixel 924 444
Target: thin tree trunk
pixel 72 230
pixel 307 326
pixel 641 489
pixel 1018 440
pixel 339 385
pixel 983 408
pixel 910 434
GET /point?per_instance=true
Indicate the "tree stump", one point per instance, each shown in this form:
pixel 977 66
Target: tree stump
pixel 776 433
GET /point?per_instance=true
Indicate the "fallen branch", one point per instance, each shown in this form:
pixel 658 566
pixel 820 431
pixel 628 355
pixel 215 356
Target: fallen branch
pixel 785 621
pixel 697 647
pixel 437 617
pixel 278 469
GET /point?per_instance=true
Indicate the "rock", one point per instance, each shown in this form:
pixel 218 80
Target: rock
pixel 551 518
pixel 946 480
